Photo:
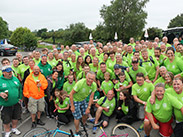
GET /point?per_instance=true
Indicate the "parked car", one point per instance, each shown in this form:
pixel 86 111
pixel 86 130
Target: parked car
pixel 7 49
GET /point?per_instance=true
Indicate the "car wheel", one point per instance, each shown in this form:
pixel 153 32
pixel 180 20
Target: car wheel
pixel 2 53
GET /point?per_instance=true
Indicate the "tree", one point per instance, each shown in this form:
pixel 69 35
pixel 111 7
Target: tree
pixel 126 17
pixel 24 38
pixel 39 32
pixel 4 32
pixel 153 32
pixel 176 22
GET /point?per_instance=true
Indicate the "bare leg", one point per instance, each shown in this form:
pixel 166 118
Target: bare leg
pixel 98 114
pixel 147 127
pixel 105 124
pixel 84 118
pixel 38 115
pixel 14 123
pixel 33 116
pixel 7 127
pixel 76 123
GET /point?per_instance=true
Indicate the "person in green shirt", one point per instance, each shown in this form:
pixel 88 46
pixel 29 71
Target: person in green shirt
pixel 106 84
pixel 14 66
pixel 127 109
pixel 79 107
pixel 44 66
pixel 161 79
pixel 172 63
pixel 62 106
pixel 122 84
pixel 69 84
pixel 79 65
pixel 111 61
pixel 169 80
pixel 141 91
pixel 37 58
pixel 120 61
pixel 150 64
pixel 22 68
pixel 105 109
pixel 161 112
pixel 66 64
pixel 51 60
pixel 83 73
pixel 132 42
pixel 132 71
pixel 61 75
pixel 94 66
pixel 159 57
pixel 129 55
pixel 10 94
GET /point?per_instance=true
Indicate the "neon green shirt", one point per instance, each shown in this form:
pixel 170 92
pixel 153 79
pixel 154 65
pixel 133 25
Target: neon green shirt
pixel 142 92
pixel 83 90
pixel 162 109
pixel 63 105
pixel 106 86
pixel 21 69
pixel 124 83
pixel 68 87
pixel 111 104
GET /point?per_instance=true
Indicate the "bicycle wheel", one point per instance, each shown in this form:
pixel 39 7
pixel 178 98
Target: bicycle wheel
pixel 124 130
pixel 37 132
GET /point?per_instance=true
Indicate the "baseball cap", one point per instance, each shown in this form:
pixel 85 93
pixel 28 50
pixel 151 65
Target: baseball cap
pixel 116 66
pixel 6 69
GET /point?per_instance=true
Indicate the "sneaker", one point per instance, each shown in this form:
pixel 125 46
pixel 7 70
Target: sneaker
pixel 7 134
pixel 141 128
pixel 79 133
pixel 91 120
pixel 94 130
pixel 39 122
pixel 86 125
pixel 15 131
pixel 146 135
pixel 34 125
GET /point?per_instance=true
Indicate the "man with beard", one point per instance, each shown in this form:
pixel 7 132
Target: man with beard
pixel 10 93
pixel 34 87
pixel 159 57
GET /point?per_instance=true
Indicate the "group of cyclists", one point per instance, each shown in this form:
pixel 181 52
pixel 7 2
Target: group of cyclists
pixel 141 80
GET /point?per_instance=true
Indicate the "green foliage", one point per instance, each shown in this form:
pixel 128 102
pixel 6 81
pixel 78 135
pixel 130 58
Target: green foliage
pixel 73 33
pixel 39 33
pixel 126 17
pixel 153 32
pixel 23 37
pixel 43 46
pixel 4 32
pixel 176 22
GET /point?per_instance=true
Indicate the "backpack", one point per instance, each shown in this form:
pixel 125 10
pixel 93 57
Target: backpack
pixel 151 60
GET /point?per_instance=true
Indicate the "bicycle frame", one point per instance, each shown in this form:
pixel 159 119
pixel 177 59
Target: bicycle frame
pixel 55 131
pixel 104 134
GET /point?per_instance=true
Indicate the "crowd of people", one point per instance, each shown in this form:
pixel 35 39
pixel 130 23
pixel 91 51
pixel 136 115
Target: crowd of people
pixel 141 80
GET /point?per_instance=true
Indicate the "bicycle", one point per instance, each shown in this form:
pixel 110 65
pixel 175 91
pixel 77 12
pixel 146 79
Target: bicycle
pixel 43 132
pixel 120 130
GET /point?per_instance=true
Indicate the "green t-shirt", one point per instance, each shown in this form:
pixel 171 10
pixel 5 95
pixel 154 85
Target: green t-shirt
pixel 123 64
pixel 21 69
pixel 67 66
pixel 150 68
pixel 124 83
pixel 162 109
pixel 124 108
pixel 15 70
pixel 68 87
pixel 106 86
pixel 133 73
pixel 129 58
pixel 83 90
pixel 1 72
pixel 63 105
pixel 53 62
pixel 100 75
pixel 159 80
pixel 179 97
pixel 110 64
pixel 37 61
pixel 96 96
pixel 175 67
pixel 111 104
pixel 94 69
pixel 142 92
pixel 81 75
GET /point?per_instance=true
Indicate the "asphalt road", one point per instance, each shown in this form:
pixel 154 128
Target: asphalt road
pixel 25 123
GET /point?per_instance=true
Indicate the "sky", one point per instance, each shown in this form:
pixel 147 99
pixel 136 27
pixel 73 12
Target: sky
pixel 56 14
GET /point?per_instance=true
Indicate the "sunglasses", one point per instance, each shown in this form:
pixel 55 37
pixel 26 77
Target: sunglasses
pixel 134 62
